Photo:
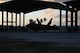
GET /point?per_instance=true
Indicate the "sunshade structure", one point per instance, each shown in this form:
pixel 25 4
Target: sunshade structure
pixel 25 6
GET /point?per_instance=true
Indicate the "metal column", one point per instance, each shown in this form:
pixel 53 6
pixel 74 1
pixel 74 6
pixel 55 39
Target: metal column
pixel 7 20
pixel 23 19
pixel 60 18
pixel 67 18
pixel 76 16
pixel 19 21
pixel 2 20
pixel 11 19
pixel 16 21
pixel 71 19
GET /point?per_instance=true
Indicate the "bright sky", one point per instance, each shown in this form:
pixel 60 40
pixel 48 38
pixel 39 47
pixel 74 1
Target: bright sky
pixel 45 13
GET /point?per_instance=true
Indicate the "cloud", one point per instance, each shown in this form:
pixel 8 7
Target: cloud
pixel 56 0
pixel 61 0
pixel 2 1
pixel 48 0
pixel 49 13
